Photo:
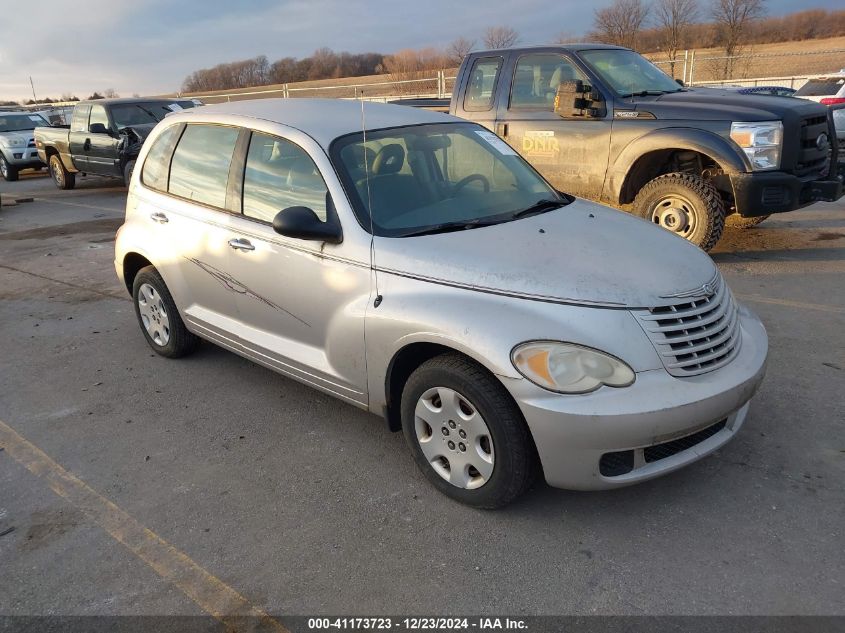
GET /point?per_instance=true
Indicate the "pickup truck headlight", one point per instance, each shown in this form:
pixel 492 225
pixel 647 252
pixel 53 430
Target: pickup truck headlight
pixel 569 368
pixel 761 142
pixel 11 142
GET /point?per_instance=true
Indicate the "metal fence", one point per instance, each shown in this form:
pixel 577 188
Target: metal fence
pixel 694 68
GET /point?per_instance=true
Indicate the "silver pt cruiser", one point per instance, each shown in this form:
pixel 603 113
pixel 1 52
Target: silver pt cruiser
pixel 412 264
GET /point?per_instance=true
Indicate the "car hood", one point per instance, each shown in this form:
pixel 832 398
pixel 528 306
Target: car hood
pixel 712 104
pixel 582 253
pixel 26 136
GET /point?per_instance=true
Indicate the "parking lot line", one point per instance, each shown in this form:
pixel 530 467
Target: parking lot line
pixel 208 591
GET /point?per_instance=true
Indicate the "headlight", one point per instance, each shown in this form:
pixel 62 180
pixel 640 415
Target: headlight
pixel 761 142
pixel 569 368
pixel 11 142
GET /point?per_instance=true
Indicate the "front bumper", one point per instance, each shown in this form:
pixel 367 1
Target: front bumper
pixel 573 433
pixel 762 193
pixel 22 157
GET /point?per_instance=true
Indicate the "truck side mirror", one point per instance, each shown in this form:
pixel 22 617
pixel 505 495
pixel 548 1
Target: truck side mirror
pixel 574 99
pixel 680 82
pixel 98 128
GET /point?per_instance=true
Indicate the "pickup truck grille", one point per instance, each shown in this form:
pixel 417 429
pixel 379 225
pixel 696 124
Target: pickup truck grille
pixel 695 336
pixel 811 159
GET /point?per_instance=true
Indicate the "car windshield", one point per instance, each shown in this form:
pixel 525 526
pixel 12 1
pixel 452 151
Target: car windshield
pixel 20 122
pixel 129 114
pixel 437 178
pixel 629 73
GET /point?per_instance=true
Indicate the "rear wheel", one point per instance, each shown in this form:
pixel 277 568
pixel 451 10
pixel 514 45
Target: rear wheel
pixel 736 221
pixel 159 317
pixel 685 204
pixel 9 172
pixel 61 176
pixel 466 433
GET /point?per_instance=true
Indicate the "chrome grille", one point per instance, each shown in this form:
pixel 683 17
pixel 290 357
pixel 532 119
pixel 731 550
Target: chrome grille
pixel 810 157
pixel 695 335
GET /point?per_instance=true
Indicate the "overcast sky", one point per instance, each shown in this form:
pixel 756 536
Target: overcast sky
pixel 149 46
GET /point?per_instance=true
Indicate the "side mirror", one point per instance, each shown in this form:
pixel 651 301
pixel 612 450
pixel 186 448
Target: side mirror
pixel 680 82
pixel 574 99
pixel 98 128
pixel 302 223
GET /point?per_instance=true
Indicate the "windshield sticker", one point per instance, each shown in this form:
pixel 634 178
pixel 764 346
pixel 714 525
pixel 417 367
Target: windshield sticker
pixel 175 107
pixel 498 144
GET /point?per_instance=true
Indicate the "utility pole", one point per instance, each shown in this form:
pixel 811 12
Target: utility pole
pixel 34 98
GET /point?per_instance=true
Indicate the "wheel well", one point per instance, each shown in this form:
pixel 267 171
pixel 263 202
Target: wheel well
pixel 665 161
pixel 132 263
pixel 400 369
pixel 49 151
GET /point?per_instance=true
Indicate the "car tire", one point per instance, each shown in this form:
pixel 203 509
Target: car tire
pixel 61 176
pixel 685 204
pixel 128 168
pixel 477 426
pixel 9 172
pixel 736 221
pixel 159 317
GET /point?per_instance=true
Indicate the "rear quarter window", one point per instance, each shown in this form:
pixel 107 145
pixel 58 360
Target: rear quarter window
pixel 157 163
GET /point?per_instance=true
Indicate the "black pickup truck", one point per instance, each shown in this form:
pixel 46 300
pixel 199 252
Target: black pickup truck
pixel 603 123
pixel 103 138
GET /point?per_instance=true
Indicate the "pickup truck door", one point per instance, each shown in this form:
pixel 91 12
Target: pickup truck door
pixel 77 135
pixel 101 147
pixel 571 153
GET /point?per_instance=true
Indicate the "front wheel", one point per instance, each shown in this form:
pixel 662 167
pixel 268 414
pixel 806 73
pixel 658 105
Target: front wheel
pixel 685 204
pixel 61 176
pixel 736 221
pixel 159 317
pixel 9 172
pixel 466 434
pixel 127 172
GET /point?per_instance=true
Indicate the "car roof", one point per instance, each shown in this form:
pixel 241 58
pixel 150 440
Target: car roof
pixel 324 120
pixel 131 100
pixel 546 48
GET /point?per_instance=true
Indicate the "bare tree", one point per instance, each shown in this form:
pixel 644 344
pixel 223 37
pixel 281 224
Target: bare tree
pixel 620 23
pixel 457 50
pixel 674 18
pixel 565 37
pixel 500 37
pixel 109 93
pixel 732 18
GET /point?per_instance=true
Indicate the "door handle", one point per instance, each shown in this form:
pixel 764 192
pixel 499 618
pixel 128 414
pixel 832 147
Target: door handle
pixel 159 217
pixel 87 144
pixel 502 129
pixel 241 244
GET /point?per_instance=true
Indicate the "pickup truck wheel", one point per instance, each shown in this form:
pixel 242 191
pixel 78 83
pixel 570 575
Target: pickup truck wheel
pixel 736 221
pixel 685 204
pixel 61 176
pixel 466 434
pixel 127 172
pixel 159 317
pixel 9 172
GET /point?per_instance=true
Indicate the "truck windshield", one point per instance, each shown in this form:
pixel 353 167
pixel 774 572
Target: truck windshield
pixel 129 114
pixel 20 122
pixel 436 178
pixel 629 73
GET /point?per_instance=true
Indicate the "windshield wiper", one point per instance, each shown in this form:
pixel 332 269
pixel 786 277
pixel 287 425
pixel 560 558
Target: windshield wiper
pixel 646 93
pixel 448 227
pixel 541 206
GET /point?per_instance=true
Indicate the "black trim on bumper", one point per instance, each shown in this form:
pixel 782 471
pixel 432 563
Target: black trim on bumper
pixel 762 193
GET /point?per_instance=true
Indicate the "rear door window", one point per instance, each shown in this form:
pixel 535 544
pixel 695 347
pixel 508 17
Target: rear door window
pixel 79 122
pixel 199 170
